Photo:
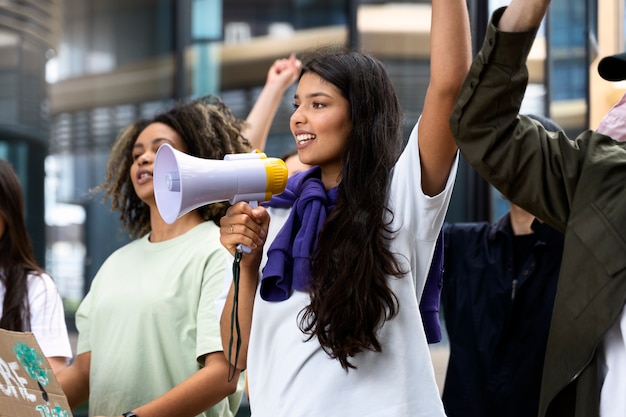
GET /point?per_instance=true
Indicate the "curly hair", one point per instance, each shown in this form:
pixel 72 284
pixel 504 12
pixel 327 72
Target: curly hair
pixel 17 259
pixel 209 129
pixel 350 296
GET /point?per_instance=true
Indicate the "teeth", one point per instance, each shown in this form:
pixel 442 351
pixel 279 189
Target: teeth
pixel 303 138
pixel 144 175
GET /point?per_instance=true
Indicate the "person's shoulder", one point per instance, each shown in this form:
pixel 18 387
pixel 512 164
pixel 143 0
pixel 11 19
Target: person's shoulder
pixel 462 235
pixel 202 240
pixel 41 283
pixel 207 230
pixel 126 247
pixel 123 252
pixel 467 228
pixel 40 279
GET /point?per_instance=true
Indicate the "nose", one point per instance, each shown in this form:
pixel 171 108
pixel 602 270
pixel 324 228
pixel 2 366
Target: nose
pixel 145 158
pixel 297 117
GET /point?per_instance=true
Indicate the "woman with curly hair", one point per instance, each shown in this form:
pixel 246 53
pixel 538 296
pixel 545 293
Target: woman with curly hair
pixel 30 301
pixel 149 342
pixel 323 313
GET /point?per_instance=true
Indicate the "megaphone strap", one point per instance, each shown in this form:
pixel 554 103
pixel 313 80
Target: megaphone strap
pixel 234 319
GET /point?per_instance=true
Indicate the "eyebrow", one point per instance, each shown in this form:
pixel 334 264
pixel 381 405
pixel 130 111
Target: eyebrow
pixel 153 142
pixel 313 95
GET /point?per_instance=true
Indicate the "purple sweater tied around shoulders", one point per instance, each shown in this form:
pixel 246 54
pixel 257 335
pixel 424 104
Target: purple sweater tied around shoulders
pixel 288 257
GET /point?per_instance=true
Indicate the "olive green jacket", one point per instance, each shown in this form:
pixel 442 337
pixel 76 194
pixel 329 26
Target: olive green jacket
pixel 578 187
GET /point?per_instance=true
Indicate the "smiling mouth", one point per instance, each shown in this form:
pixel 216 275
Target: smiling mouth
pixel 301 139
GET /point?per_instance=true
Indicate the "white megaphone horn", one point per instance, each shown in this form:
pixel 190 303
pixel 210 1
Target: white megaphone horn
pixel 183 182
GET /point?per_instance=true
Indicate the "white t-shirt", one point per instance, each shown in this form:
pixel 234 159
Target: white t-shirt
pixel 47 317
pixel 289 376
pixel 612 368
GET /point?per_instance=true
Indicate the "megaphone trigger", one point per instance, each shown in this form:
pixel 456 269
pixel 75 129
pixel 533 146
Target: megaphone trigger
pixel 243 248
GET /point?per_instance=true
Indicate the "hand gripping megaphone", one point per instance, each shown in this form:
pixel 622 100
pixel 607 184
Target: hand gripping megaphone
pixel 183 182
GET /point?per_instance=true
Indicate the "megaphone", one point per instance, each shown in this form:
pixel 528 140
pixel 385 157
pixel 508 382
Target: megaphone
pixel 183 182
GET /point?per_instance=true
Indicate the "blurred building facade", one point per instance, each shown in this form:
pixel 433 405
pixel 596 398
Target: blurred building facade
pixel 30 32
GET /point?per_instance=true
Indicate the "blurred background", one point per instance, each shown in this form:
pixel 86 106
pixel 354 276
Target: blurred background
pixel 74 72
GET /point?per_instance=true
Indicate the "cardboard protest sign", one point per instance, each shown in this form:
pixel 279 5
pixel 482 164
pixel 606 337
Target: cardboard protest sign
pixel 28 386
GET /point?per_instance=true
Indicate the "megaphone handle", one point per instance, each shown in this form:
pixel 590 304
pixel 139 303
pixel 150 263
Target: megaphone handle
pixel 241 247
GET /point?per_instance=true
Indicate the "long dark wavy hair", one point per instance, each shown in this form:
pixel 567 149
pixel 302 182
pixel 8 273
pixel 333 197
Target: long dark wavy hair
pixel 209 129
pixel 350 296
pixel 17 259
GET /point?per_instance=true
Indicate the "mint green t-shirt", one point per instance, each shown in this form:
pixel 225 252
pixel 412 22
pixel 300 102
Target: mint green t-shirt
pixel 147 318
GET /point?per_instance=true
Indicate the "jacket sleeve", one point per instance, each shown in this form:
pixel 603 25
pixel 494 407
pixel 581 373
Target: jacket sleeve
pixel 512 152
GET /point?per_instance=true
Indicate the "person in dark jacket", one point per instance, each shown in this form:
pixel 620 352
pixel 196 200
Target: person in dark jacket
pixel 498 292
pixel 499 285
pixel 577 187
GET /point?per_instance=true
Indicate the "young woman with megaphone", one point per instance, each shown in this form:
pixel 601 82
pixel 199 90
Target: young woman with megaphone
pixel 149 340
pixel 326 312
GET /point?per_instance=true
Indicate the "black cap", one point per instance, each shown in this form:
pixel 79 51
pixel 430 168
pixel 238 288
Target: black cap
pixel 613 67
